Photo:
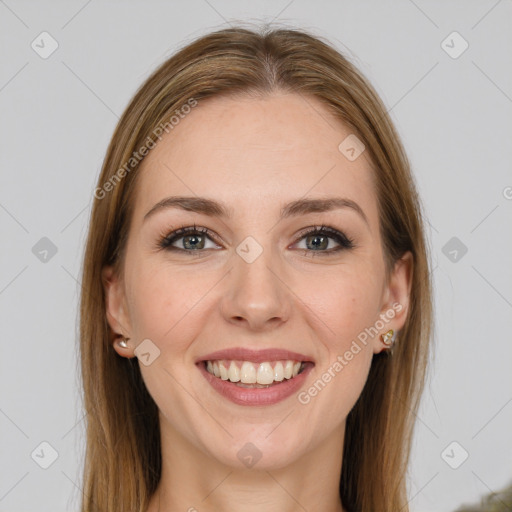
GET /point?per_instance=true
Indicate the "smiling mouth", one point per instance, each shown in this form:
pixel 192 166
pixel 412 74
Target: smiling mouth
pixel 246 374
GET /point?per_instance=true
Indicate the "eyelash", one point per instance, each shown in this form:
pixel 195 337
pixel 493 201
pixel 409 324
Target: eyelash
pixel 166 240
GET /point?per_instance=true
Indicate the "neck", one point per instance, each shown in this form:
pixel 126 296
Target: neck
pixel 195 482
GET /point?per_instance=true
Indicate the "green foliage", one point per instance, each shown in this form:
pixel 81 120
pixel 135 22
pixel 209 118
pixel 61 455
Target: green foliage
pixel 495 502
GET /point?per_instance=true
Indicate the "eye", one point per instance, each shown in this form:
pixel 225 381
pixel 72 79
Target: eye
pixel 190 239
pixel 317 241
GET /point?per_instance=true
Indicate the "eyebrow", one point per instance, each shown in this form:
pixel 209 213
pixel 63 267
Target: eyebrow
pixel 295 208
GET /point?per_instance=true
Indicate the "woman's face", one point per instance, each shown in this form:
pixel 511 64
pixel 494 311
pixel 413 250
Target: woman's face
pixel 255 284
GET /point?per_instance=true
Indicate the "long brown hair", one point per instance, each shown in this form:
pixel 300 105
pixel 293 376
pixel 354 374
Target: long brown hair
pixel 123 452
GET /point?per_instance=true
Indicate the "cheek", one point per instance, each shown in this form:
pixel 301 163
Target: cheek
pixel 347 302
pixel 346 310
pixel 162 309
pixel 160 299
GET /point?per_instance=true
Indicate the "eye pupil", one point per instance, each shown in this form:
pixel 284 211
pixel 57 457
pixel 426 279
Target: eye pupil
pixel 322 244
pixel 199 245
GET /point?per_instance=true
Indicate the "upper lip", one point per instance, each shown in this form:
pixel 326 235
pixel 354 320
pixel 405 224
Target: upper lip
pixel 255 356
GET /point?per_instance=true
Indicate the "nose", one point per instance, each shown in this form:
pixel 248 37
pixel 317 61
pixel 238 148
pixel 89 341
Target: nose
pixel 256 295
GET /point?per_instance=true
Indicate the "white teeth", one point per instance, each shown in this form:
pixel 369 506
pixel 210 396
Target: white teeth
pixel 278 371
pixel 223 372
pixel 248 373
pixel 265 374
pixel 288 369
pixel 234 372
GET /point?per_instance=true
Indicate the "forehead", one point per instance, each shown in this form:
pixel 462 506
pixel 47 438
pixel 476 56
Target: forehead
pixel 255 153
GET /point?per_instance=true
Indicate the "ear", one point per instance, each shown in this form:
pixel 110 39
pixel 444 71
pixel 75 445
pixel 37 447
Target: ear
pixel 116 310
pixel 396 299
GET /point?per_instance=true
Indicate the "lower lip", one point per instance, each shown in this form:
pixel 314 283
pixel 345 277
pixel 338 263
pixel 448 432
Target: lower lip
pixel 256 396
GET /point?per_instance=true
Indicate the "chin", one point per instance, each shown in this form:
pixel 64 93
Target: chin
pixel 260 451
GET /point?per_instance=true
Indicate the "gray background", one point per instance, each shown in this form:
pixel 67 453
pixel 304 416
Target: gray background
pixel 454 114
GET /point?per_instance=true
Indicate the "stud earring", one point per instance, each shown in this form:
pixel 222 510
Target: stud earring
pixel 388 338
pixel 123 342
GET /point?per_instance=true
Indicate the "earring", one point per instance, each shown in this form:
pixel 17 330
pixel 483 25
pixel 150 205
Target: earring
pixel 388 338
pixel 123 342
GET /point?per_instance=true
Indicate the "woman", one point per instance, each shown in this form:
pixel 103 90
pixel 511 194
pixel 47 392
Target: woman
pixel 256 306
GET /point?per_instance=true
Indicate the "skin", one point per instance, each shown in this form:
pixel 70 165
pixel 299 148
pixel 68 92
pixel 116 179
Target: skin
pixel 254 155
